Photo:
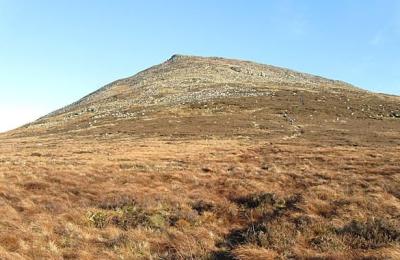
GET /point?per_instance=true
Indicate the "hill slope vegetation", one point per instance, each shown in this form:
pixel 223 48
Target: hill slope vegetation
pixel 207 158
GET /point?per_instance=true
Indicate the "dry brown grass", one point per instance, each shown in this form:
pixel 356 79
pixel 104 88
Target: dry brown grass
pixel 153 198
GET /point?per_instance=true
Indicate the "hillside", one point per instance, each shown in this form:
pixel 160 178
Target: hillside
pixel 186 96
pixel 207 158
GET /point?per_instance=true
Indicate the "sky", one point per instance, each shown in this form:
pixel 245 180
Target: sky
pixel 54 52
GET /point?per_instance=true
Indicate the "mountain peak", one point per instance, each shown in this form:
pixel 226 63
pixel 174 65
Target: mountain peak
pixel 184 82
pixel 186 79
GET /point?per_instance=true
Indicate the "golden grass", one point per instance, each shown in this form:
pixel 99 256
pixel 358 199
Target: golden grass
pixel 196 199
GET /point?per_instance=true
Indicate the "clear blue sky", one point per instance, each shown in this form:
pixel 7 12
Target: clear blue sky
pixel 54 52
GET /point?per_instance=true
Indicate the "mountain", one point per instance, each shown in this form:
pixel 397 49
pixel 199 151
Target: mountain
pixel 190 96
pixel 206 158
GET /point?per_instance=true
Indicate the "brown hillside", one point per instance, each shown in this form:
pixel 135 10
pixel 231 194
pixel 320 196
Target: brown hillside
pixel 207 158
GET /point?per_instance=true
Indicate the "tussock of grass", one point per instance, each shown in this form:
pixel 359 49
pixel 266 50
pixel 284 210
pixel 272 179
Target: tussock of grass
pixel 372 233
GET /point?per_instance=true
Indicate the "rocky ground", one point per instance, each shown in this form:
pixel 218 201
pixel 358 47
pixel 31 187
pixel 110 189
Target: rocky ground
pixel 207 158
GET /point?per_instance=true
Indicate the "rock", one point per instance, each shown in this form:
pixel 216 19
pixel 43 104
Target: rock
pixel 395 114
pixel 206 169
pixel 265 166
